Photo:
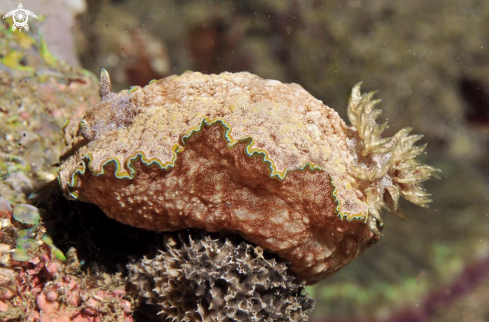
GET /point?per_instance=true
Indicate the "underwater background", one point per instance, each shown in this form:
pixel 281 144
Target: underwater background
pixel 428 59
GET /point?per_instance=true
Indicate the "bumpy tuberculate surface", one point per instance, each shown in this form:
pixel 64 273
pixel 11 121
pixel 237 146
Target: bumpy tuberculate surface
pixel 235 152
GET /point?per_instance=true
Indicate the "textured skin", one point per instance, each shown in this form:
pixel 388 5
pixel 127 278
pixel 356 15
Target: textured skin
pixel 225 152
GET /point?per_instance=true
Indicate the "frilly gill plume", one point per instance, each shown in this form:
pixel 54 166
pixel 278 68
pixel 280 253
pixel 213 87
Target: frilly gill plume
pixel 395 170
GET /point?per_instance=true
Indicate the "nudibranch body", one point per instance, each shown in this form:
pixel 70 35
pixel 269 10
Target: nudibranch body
pixel 234 152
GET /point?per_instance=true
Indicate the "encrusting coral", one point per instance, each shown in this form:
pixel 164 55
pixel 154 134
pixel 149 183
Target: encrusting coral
pixel 37 285
pixel 235 152
pixel 208 277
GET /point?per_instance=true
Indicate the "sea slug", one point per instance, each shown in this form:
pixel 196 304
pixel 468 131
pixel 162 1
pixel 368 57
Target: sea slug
pixel 235 152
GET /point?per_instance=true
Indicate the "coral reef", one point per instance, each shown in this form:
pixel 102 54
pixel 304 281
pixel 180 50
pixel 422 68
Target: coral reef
pixel 37 285
pixel 37 281
pixel 37 94
pixel 235 152
pixel 58 13
pixel 106 246
pixel 202 277
pixel 433 77
pixel 41 278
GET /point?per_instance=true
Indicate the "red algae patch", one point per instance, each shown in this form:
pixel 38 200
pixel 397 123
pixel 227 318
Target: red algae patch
pixel 235 152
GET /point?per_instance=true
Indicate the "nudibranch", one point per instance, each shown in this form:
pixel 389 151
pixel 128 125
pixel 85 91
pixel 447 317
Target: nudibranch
pixel 238 153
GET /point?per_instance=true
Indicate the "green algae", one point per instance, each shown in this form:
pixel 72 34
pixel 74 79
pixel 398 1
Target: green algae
pixel 20 255
pixel 56 251
pixel 26 214
pixel 29 245
pixel 37 93
pixel 49 58
pixel 14 60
